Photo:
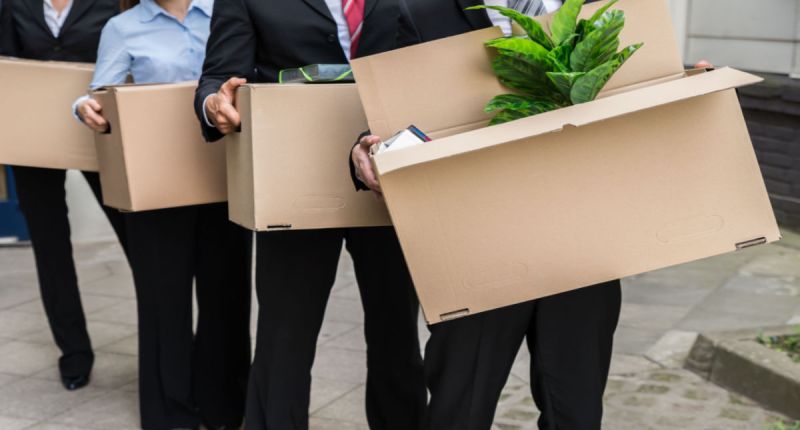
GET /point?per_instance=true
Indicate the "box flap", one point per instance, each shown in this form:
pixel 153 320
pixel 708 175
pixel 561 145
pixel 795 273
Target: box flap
pixel 574 116
pixel 47 64
pixel 442 86
pixel 130 86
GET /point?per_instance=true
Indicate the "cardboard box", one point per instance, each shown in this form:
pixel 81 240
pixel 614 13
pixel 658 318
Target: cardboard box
pixel 287 169
pixel 38 127
pixel 154 156
pixel 659 171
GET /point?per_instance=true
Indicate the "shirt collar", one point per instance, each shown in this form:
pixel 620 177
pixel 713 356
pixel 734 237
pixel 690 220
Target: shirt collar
pixel 150 9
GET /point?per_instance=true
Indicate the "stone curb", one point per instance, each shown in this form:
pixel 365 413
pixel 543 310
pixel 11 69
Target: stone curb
pixel 735 361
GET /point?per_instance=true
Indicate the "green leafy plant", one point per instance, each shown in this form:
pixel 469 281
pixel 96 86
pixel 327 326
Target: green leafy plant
pixel 789 344
pixel 569 65
pixel 782 426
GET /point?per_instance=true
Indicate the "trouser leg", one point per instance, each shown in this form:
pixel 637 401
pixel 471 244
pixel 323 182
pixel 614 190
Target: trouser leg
pixel 396 394
pixel 42 198
pixel 162 247
pixel 467 363
pixel 222 341
pixel 294 275
pixel 570 338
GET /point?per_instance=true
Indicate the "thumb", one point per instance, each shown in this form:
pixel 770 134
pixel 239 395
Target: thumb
pixel 229 87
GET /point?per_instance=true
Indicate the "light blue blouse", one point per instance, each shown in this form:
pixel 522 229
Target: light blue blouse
pixel 153 46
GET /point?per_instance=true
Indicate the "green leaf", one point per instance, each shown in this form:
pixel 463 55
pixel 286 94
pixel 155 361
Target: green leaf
pixel 600 12
pixel 560 57
pixel 564 81
pixel 565 21
pixel 507 116
pixel 519 103
pixel 627 52
pixel 523 49
pixel 588 86
pixel 530 25
pixel 599 45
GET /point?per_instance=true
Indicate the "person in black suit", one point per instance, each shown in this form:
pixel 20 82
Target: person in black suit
pixel 255 39
pixel 468 361
pixel 38 30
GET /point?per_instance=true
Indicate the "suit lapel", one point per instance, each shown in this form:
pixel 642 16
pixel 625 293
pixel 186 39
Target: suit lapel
pixel 79 8
pixel 321 7
pixel 37 10
pixel 478 19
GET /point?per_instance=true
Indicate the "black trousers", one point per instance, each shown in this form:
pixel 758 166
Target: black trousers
pixel 42 198
pixel 570 336
pixel 295 272
pixel 187 378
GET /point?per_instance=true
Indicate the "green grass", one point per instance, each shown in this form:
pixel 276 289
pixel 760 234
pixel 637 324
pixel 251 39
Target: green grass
pixel 789 344
pixel 782 426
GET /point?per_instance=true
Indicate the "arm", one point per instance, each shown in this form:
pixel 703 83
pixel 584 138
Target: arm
pixel 230 53
pixel 9 40
pixel 361 172
pixel 113 66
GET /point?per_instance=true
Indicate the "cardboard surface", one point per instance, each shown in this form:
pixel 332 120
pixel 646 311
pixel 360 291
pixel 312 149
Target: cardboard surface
pixel 659 171
pixel 38 127
pixel 155 157
pixel 287 169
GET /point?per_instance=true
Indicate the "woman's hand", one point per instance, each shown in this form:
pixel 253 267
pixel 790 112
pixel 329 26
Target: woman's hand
pixel 91 113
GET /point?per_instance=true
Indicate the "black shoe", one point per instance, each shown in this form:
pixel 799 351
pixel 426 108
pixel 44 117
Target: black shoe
pixel 75 383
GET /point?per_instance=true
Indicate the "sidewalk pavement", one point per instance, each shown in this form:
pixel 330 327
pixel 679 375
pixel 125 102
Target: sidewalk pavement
pixel 662 313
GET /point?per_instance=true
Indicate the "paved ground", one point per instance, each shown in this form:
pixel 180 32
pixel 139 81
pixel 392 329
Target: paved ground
pixel 662 313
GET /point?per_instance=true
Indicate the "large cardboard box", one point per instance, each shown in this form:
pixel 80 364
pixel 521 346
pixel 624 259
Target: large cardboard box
pixel 38 127
pixel 659 171
pixel 287 168
pixel 154 156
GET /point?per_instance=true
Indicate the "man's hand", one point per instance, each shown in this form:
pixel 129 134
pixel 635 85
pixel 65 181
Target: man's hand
pixel 91 113
pixel 703 64
pixel 361 160
pixel 221 107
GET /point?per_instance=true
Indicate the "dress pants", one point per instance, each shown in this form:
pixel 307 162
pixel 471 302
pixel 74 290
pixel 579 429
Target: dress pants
pixel 570 336
pixel 42 198
pixel 294 275
pixel 186 378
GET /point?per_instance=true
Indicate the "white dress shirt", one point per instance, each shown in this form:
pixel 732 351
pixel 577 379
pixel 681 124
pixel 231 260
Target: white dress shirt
pixel 54 19
pixel 342 28
pixel 505 23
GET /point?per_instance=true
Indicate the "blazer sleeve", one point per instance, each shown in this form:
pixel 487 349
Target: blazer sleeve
pixel 9 40
pixel 230 52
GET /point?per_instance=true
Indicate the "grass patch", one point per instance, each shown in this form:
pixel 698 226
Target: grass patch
pixel 789 344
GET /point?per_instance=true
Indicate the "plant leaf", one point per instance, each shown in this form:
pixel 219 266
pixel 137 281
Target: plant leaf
pixel 560 57
pixel 523 49
pixel 530 25
pixel 507 116
pixel 600 44
pixel 519 103
pixel 627 52
pixel 564 81
pixel 588 86
pixel 565 21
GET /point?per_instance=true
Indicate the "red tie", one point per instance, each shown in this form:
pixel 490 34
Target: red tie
pixel 354 14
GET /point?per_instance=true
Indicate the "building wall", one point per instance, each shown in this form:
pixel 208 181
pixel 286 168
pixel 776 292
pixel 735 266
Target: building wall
pixel 755 35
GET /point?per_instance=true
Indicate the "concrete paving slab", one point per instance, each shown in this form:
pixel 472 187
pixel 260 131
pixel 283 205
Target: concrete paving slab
pixel 115 410
pixel 38 399
pixel 25 359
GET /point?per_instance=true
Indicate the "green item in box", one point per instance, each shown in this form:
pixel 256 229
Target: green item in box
pixel 317 73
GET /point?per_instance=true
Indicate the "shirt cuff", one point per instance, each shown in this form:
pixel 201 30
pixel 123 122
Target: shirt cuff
pixel 205 113
pixel 75 107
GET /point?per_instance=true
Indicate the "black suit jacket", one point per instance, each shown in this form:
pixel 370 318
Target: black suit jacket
pixel 255 39
pixel 24 33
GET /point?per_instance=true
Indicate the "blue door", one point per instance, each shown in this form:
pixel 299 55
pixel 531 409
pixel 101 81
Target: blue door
pixel 12 223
